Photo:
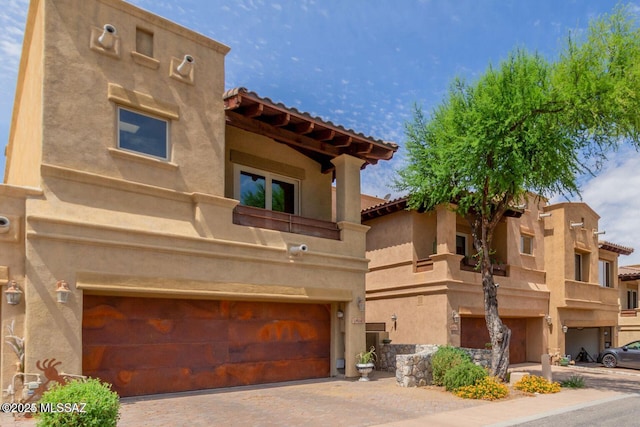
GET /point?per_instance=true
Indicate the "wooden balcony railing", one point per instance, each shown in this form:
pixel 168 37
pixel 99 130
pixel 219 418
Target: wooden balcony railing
pixel 425 264
pixel 280 221
pixel 471 264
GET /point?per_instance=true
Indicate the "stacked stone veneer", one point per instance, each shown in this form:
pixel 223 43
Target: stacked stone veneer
pixel 412 362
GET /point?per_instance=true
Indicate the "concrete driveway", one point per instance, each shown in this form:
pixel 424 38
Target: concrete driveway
pixel 348 402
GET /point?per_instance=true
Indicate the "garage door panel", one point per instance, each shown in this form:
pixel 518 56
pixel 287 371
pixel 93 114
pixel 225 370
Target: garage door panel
pixel 277 351
pixel 277 330
pixel 149 345
pixel 250 310
pixel 143 308
pixel 158 355
pixel 157 330
pixel 276 371
pixel 474 334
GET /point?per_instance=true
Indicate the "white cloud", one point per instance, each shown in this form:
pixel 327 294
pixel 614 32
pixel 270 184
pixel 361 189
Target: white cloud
pixel 615 195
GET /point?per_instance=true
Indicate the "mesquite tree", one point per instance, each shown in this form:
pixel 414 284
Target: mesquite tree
pixel 527 125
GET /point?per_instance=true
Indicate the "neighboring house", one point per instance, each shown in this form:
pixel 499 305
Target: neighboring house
pixel 629 322
pixel 190 228
pixel 423 286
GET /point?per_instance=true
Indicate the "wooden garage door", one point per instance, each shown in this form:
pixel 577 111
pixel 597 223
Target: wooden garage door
pixel 149 345
pixel 474 334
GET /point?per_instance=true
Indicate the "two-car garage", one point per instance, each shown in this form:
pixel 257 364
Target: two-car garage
pixel 159 345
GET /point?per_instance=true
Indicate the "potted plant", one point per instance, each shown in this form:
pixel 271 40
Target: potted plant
pixel 365 363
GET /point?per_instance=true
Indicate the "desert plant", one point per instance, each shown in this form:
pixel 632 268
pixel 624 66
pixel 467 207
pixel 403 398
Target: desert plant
pixel 84 403
pixel 17 345
pixel 487 388
pixel 365 357
pixel 445 358
pixel 536 384
pixel 462 375
pixel 574 381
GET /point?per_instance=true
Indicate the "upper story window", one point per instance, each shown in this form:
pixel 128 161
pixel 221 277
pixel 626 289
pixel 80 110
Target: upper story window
pixel 578 267
pixel 526 245
pixel 266 190
pixel 604 274
pixel 462 244
pixel 143 134
pixel 632 299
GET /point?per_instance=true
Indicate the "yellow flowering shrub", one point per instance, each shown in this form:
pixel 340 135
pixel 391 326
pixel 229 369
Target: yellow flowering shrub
pixel 488 388
pixel 536 384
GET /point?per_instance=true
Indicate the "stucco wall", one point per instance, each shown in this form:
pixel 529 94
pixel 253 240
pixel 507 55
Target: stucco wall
pixel 81 82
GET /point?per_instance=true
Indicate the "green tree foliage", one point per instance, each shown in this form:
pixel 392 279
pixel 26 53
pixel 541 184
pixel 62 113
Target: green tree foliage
pixel 527 125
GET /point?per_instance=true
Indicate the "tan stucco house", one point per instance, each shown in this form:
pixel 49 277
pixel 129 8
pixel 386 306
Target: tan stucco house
pixel 629 322
pixel 557 291
pixel 190 228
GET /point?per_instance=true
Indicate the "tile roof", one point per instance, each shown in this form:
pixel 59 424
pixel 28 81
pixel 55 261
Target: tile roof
pixel 629 273
pixel 613 247
pixel 318 138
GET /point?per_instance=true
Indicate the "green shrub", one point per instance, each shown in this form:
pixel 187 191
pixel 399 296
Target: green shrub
pixel 444 359
pixel 462 375
pixel 573 381
pixel 99 403
pixel 536 384
pixel 488 388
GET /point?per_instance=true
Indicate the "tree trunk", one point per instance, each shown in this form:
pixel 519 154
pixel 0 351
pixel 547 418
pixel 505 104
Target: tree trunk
pixel 499 333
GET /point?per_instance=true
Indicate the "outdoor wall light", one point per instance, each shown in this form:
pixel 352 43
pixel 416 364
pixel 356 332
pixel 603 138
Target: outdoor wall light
pixel 455 316
pixel 576 224
pixel 544 215
pixel 63 291
pixel 549 320
pixel 5 224
pixel 565 329
pixel 597 233
pixel 298 249
pixel 13 293
pixel 107 38
pixel 361 304
pixel 394 317
pixel 340 314
pixel 185 67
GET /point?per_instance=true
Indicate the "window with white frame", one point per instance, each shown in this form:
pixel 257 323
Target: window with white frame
pixel 632 299
pixel 142 133
pixel 266 190
pixel 462 244
pixel 526 244
pixel 604 274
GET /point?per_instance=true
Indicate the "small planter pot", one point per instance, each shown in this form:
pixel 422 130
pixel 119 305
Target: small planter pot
pixel 364 369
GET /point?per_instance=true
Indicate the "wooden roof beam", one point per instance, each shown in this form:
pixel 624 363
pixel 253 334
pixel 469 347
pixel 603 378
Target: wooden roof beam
pixel 342 141
pixel 279 119
pixel 324 135
pixel 279 134
pixel 304 128
pixel 254 110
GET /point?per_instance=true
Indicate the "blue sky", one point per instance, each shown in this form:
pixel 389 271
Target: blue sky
pixel 365 63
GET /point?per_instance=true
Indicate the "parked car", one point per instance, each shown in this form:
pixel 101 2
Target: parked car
pixel 627 356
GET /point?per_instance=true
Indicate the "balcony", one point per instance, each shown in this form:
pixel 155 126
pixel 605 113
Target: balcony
pixel 589 295
pixel 471 264
pixel 280 221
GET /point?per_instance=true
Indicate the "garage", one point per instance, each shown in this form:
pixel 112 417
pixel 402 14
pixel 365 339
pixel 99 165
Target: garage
pixel 577 339
pixel 474 334
pixel 155 345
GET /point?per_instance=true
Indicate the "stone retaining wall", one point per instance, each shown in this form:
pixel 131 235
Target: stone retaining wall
pixel 413 362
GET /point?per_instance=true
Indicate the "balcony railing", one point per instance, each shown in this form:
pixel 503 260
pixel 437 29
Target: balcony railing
pixel 471 264
pixel 425 264
pixel 629 313
pixel 280 221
